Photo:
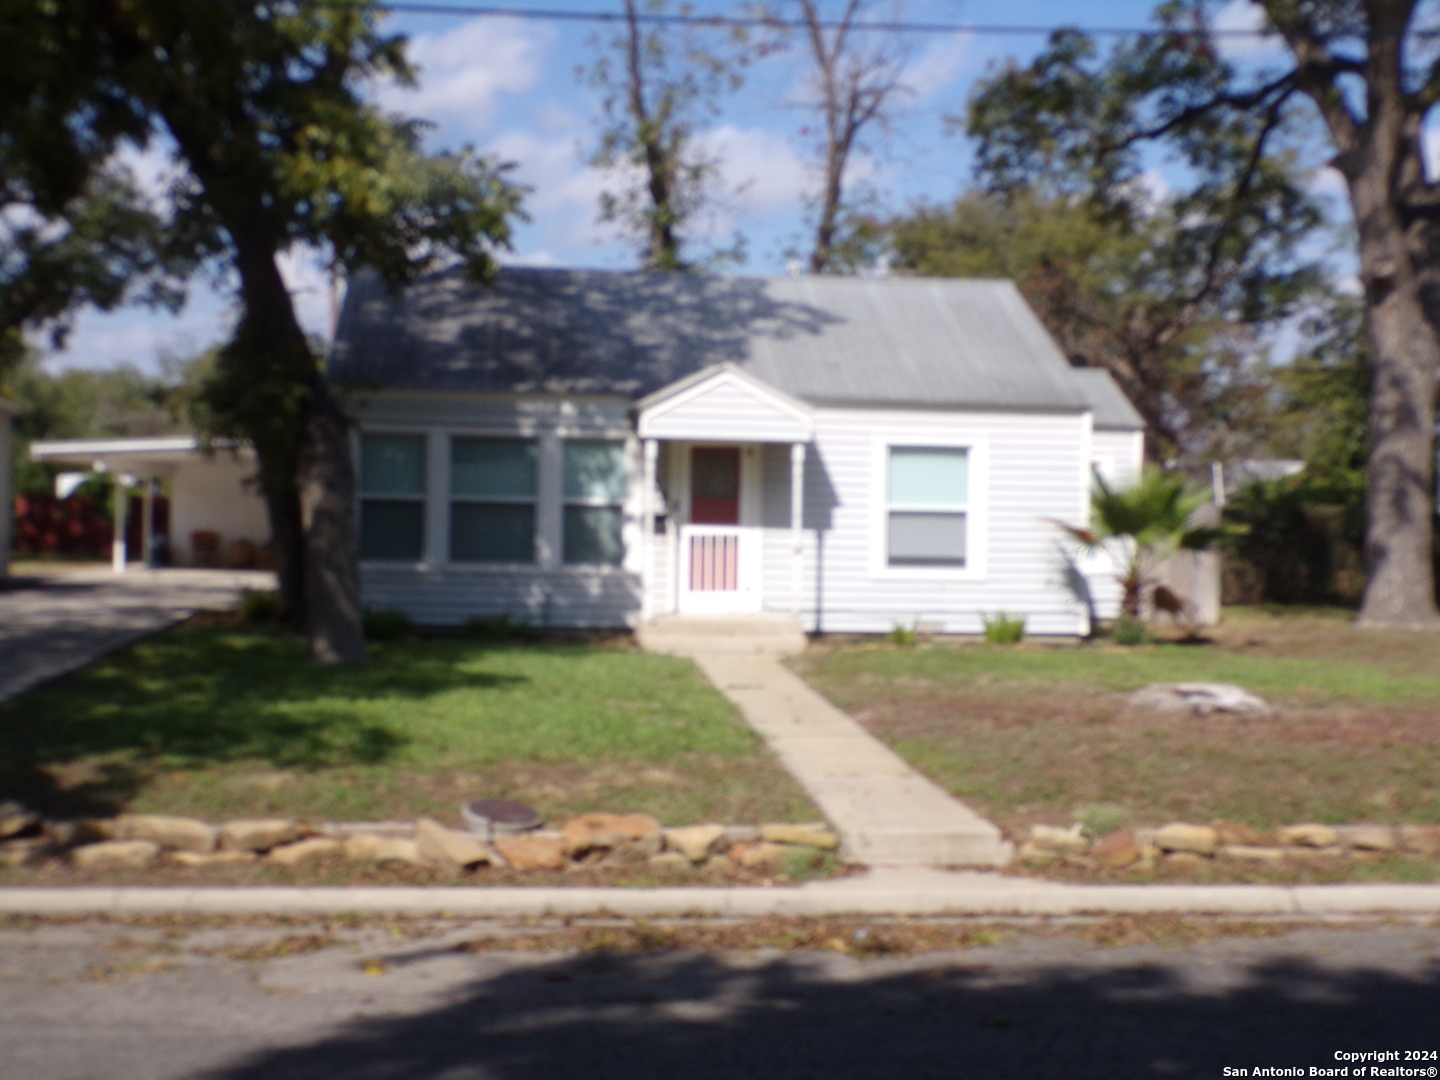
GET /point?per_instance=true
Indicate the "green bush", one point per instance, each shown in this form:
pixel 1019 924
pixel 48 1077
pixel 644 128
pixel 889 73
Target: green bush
pixel 1130 632
pixel 259 606
pixel 494 628
pixel 1001 629
pixel 388 625
pixel 905 636
pixel 1099 819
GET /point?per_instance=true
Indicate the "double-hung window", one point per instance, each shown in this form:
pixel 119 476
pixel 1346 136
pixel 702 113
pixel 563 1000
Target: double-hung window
pixel 927 506
pixel 492 500
pixel 594 502
pixel 392 496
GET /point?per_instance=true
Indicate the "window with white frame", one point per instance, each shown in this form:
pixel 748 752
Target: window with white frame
pixel 392 496
pixel 594 502
pixel 927 506
pixel 492 500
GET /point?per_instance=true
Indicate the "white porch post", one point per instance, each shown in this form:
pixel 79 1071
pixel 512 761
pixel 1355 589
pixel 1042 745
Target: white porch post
pixel 647 524
pixel 147 519
pixel 797 516
pixel 117 542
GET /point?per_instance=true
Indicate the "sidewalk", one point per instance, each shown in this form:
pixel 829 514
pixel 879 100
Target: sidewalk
pixel 893 891
pixel 887 814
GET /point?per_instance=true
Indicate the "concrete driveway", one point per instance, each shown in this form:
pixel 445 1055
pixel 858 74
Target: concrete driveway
pixel 54 623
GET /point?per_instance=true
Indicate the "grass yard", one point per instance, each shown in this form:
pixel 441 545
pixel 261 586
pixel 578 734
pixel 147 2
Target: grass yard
pixel 218 720
pixel 1041 733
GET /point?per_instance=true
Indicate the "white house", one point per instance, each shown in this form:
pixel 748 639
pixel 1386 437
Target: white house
pixel 593 448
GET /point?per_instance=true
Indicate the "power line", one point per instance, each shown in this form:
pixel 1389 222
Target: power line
pixel 750 22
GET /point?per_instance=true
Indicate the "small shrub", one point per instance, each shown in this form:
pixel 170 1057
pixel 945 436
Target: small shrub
pixel 1100 819
pixel 1130 632
pixel 1001 629
pixel 905 636
pixel 494 628
pixel 807 864
pixel 259 606
pixel 388 625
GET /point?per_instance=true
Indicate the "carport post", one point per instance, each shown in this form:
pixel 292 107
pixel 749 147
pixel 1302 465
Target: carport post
pixel 117 544
pixel 651 450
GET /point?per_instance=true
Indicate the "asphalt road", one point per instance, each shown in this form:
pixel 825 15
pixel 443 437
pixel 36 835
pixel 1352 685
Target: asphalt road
pixel 380 1001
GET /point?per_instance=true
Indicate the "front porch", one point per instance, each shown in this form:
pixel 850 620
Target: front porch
pixel 722 518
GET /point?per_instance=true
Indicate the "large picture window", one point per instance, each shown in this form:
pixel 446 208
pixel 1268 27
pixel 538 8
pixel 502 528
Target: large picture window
pixel 392 496
pixel 927 505
pixel 492 508
pixel 594 502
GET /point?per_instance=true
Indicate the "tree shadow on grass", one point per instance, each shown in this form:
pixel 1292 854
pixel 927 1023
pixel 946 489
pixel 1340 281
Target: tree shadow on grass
pixel 200 697
pixel 695 1016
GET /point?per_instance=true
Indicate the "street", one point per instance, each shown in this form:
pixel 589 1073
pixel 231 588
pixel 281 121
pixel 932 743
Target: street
pixel 415 999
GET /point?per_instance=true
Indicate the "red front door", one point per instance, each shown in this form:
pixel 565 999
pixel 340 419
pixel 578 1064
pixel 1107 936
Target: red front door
pixel 715 485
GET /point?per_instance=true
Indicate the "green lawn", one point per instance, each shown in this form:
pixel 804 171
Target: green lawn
pixel 1040 733
pixel 220 720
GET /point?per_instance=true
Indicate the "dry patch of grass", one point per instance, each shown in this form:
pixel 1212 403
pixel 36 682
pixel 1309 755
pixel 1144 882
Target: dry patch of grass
pixel 1037 733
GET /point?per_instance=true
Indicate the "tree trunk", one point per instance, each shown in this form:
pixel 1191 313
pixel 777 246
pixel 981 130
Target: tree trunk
pixel 282 506
pixel 1404 358
pixel 332 566
pixel 324 492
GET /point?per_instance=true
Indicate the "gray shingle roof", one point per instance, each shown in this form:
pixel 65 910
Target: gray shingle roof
pixel 891 341
pixel 1113 410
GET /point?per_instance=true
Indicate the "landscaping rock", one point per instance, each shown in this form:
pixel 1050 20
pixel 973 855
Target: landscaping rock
pixel 1182 860
pixel 1116 850
pixel 695 842
pixel 739 834
pixel 214 858
pixel 1308 835
pixel 16 819
pixel 22 852
pixel 1036 856
pixel 604 832
pixel 175 833
pixel 532 852
pixel 761 855
pixel 802 835
pixel 1238 834
pixel 1380 838
pixel 1420 840
pixel 85 831
pixel 671 861
pixel 449 847
pixel 257 834
pixel 1200 698
pixel 1069 841
pixel 1195 839
pixel 1252 853
pixel 378 849
pixel 343 830
pixel 1315 855
pixel 312 848
pixel 116 855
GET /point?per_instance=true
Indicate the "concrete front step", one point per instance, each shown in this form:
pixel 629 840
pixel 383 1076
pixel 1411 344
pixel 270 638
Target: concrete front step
pixel 689 635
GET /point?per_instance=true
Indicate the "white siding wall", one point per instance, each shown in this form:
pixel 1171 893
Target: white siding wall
pixel 1026 469
pixel 435 592
pixel 1118 455
pixel 214 494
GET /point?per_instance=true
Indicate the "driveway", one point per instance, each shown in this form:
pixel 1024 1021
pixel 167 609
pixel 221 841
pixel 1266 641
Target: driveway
pixel 57 622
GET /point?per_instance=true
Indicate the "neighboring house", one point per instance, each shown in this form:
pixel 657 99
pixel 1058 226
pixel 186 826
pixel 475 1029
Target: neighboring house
pixel 216 516
pixel 8 411
pixel 590 448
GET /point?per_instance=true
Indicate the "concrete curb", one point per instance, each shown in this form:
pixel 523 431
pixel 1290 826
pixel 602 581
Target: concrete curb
pixel 901 893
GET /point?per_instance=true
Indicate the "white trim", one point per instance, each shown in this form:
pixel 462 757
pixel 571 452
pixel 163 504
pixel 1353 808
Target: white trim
pixel 651 409
pixel 977 511
pixel 168 444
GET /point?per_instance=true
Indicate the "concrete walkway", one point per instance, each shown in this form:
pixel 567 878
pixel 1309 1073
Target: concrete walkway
pixel 889 891
pixel 886 812
pixel 58 622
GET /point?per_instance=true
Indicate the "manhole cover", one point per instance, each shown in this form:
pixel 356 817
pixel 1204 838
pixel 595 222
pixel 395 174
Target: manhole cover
pixel 500 817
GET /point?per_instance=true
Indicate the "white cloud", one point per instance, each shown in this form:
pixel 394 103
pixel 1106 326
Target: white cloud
pixel 937 66
pixel 761 170
pixel 1240 19
pixel 463 72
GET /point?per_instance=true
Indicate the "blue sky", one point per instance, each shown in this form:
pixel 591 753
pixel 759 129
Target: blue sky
pixel 508 87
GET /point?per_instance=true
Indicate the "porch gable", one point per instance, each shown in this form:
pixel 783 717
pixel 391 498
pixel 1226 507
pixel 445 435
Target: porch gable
pixel 724 404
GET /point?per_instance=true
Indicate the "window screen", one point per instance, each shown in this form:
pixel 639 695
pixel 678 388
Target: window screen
pixel 594 502
pixel 927 506
pixel 392 496
pixel 492 508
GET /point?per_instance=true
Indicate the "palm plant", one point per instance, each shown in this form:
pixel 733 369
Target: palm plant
pixel 1141 526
